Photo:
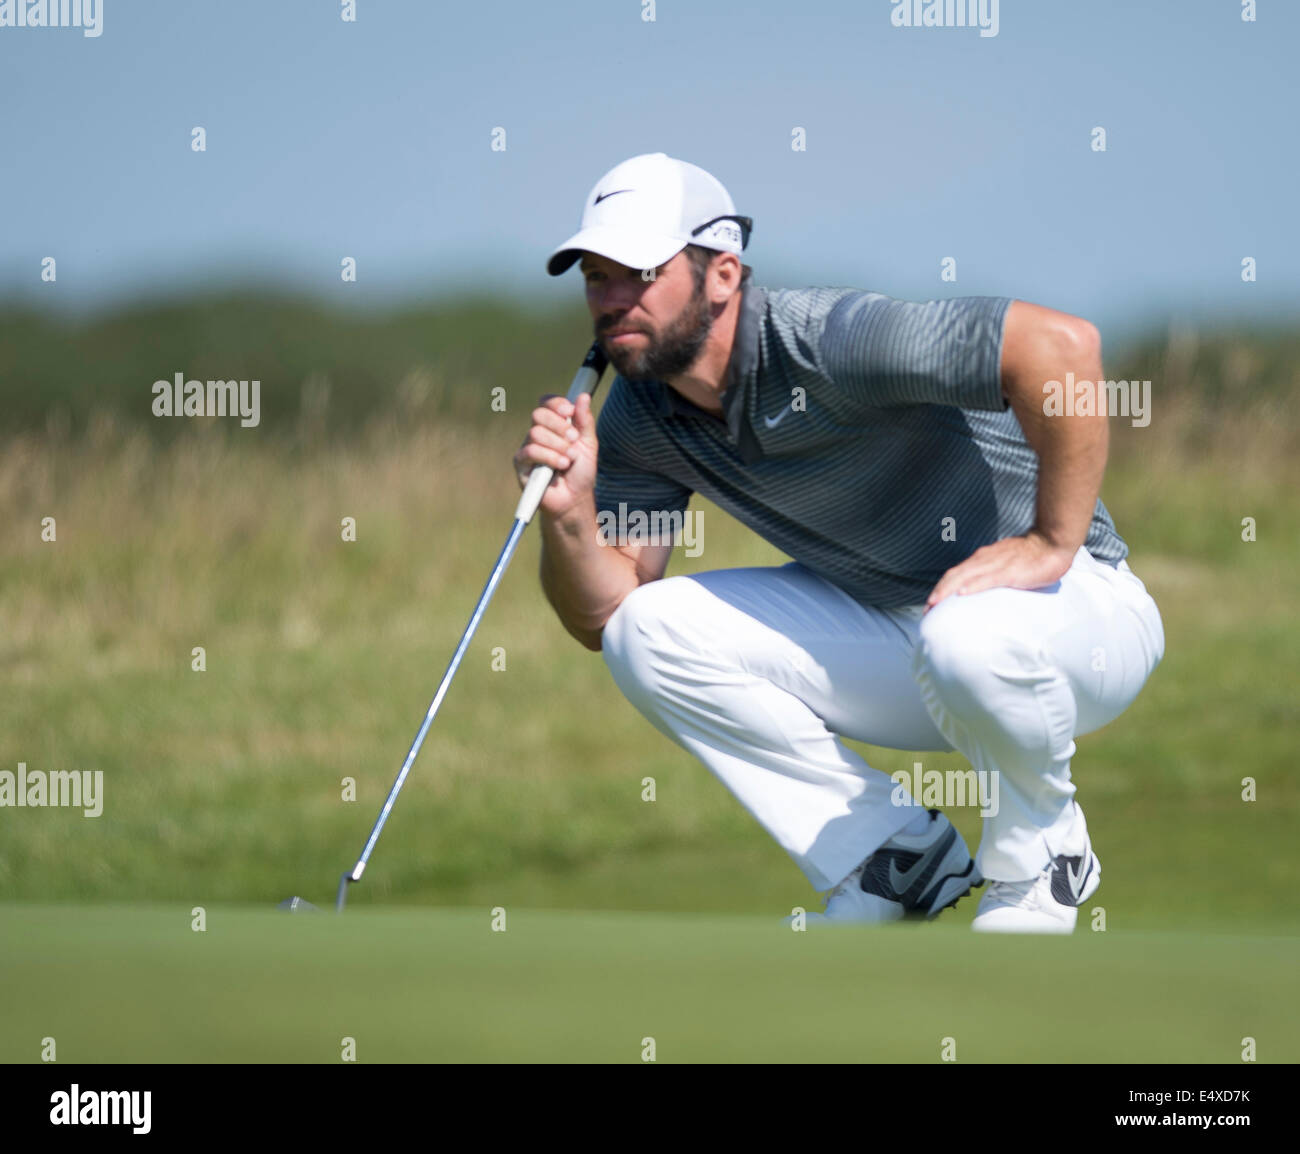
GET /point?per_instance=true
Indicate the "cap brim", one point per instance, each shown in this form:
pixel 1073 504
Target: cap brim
pixel 616 245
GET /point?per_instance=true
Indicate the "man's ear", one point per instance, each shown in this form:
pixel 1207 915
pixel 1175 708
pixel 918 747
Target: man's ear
pixel 725 272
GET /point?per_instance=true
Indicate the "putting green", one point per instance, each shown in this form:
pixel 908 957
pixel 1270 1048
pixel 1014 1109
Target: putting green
pixel 138 984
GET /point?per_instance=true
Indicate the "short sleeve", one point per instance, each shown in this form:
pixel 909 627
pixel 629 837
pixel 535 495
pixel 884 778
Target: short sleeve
pixel 625 474
pixel 882 351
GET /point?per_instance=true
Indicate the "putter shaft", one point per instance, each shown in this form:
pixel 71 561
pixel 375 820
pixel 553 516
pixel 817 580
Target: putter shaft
pixel 586 380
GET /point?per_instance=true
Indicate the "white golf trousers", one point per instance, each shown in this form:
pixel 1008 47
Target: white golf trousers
pixel 758 672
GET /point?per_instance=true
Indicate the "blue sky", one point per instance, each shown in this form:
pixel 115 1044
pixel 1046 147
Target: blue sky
pixel 373 140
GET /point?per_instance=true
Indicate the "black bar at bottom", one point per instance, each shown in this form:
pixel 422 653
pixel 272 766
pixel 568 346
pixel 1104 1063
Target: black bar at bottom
pixel 603 1106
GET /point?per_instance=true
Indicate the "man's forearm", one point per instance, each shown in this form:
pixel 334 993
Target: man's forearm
pixel 583 580
pixel 1071 448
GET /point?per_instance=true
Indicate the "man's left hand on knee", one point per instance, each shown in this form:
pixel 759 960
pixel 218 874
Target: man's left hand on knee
pixel 1027 562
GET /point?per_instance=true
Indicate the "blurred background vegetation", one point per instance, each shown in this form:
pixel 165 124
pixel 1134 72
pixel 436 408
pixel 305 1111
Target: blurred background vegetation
pixel 322 654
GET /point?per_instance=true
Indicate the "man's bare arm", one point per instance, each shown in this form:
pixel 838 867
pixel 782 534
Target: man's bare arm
pixel 584 580
pixel 1041 345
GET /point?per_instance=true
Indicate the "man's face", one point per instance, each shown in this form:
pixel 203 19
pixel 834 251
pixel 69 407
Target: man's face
pixel 666 321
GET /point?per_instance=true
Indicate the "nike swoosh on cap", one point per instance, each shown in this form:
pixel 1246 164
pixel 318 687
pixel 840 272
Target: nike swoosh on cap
pixel 607 195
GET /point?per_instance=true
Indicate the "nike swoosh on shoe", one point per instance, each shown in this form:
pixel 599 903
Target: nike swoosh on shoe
pixel 1067 880
pixel 911 882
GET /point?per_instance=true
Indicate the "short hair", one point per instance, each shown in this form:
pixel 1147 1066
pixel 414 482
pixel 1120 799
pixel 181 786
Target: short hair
pixel 699 256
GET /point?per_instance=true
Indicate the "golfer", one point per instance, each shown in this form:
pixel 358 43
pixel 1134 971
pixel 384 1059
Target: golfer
pixel 955 582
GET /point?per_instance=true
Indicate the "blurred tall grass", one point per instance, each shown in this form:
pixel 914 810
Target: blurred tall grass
pixel 323 372
pixel 321 654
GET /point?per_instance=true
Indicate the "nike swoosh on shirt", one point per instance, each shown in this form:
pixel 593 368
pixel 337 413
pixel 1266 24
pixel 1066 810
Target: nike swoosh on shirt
pixel 607 195
pixel 772 422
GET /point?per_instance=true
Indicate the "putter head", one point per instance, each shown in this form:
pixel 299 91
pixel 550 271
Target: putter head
pixel 343 891
pixel 297 906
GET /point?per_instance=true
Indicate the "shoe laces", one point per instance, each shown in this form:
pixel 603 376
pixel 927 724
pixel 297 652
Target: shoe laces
pixel 1015 893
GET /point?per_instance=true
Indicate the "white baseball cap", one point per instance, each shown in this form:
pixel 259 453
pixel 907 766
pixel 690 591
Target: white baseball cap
pixel 643 212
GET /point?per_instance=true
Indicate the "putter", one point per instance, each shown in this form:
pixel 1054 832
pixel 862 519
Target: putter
pixel 586 380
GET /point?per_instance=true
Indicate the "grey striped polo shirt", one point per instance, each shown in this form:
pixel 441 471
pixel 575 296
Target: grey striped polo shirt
pixel 865 437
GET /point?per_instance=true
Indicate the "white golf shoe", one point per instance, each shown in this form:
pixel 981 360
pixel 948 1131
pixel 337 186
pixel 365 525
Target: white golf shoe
pixel 1046 904
pixel 911 875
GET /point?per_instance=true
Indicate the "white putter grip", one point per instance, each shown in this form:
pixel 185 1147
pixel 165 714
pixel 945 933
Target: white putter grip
pixel 586 380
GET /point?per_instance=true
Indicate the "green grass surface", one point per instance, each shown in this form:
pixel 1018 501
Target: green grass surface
pixel 116 983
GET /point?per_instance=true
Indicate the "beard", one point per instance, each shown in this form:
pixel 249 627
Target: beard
pixel 670 353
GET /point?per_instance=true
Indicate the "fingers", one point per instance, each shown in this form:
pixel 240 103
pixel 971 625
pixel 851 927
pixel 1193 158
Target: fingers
pixel 973 576
pixel 583 420
pixel 959 585
pixel 558 423
pixel 1012 563
pixel 544 448
pixel 948 585
pixel 553 414
pixel 532 455
pixel 560 442
pixel 550 439
pixel 983 569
